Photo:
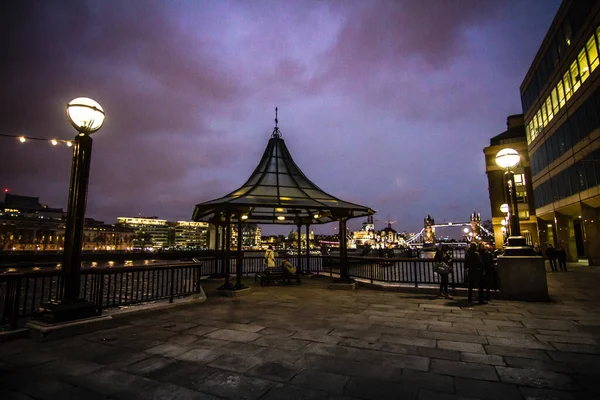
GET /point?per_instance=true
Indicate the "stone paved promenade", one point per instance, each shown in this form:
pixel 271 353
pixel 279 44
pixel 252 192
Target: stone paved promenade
pixel 307 342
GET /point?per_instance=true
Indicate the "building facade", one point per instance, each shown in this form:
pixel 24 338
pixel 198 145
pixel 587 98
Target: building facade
pixel 149 232
pixel 561 105
pixel 190 235
pixel 514 137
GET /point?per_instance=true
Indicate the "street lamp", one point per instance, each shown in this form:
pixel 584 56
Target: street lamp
pixel 507 159
pixel 86 116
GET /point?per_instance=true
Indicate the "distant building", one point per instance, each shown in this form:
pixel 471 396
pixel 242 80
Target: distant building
pixel 514 137
pixel 189 235
pixel 561 106
pixel 28 225
pixel 150 232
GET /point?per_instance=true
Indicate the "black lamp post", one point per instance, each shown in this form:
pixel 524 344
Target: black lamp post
pixel 507 159
pixel 86 116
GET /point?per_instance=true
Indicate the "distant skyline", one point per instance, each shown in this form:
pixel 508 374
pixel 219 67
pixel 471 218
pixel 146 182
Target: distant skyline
pixel 385 103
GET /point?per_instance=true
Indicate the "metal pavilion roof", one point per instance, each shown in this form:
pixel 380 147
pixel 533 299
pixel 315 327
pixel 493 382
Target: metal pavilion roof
pixel 279 193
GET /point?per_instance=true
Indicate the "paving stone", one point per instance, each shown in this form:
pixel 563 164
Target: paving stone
pixel 486 390
pixel 168 391
pixel 200 355
pixel 464 369
pixel 28 359
pixel 430 381
pixel 294 392
pixel 418 363
pixel 356 334
pixel 545 394
pixel 420 342
pixel 455 337
pixel 121 358
pixel 234 363
pixel 586 364
pixel 200 330
pixel 232 385
pixel 461 346
pixel 516 352
pixel 320 380
pixel 242 349
pixel 147 365
pixel 351 368
pixel 274 371
pixel 481 358
pixel 276 332
pixel 577 348
pixel 500 322
pixel 6 394
pixel 168 349
pixel 461 330
pixel 361 343
pixel 520 343
pixel 176 326
pixel 430 395
pixel 66 367
pixel 183 339
pixel 438 353
pixel 567 339
pixel 183 373
pixel 331 350
pixel 283 343
pixel 279 356
pixel 538 364
pixel 534 378
pixel 117 384
pixel 590 383
pixel 316 337
pixel 365 388
pixel 209 343
pixel 234 336
pixel 44 389
pixel 557 325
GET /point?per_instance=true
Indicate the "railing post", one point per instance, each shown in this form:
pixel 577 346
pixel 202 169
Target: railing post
pixel 100 292
pixel 197 278
pixel 15 306
pixel 172 284
pixel 371 271
pixel 415 273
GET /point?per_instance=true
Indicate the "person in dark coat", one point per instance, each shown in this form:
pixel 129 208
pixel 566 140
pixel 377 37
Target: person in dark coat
pixel 475 273
pixel 489 273
pixel 443 256
pixel 551 256
pixel 561 255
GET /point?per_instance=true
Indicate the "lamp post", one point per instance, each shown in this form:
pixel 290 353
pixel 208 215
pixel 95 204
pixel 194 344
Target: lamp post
pixel 507 159
pixel 86 116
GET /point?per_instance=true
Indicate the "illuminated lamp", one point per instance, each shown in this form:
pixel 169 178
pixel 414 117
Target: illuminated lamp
pixel 86 115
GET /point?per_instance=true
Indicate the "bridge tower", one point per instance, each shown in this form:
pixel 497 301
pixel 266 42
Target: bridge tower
pixel 429 234
pixel 475 224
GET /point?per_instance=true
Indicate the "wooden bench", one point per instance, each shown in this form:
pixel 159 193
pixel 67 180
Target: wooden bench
pixel 276 275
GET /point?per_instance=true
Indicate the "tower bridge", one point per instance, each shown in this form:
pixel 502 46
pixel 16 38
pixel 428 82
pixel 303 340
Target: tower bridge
pixel 427 234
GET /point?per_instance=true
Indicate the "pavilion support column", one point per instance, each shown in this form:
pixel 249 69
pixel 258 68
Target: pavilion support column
pixel 240 257
pixel 215 271
pixel 227 255
pixel 299 262
pixel 344 270
pixel 307 270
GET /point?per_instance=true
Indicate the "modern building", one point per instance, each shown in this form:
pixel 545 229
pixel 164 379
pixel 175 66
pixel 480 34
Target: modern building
pixel 514 137
pixel 150 232
pixel 190 235
pixel 561 106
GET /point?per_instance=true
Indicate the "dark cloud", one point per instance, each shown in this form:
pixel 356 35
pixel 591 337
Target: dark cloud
pixel 368 91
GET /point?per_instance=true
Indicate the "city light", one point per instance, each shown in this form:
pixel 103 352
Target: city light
pixel 85 114
pixel 22 139
pixel 281 218
pixel 54 142
pixel 507 158
pixel 504 208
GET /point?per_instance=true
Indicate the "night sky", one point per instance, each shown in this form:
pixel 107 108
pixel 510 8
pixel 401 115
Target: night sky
pixel 384 103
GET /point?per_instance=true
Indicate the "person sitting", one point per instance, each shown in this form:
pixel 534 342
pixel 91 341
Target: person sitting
pixel 287 266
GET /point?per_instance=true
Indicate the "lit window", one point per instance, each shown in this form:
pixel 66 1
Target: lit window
pixel 561 94
pixel 575 78
pixel 583 65
pixel 519 179
pixel 567 83
pixel 549 108
pixel 592 52
pixel 544 115
pixel 555 106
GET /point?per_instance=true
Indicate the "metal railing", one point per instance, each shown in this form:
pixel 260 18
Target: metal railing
pixel 22 294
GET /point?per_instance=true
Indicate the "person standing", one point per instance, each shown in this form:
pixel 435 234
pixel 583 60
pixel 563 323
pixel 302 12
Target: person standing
pixel 270 257
pixel 474 268
pixel 442 256
pixel 561 255
pixel 487 261
pixel 551 255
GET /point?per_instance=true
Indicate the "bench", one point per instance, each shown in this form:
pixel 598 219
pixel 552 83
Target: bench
pixel 276 275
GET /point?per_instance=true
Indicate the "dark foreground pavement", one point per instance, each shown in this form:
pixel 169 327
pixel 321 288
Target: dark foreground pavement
pixel 308 342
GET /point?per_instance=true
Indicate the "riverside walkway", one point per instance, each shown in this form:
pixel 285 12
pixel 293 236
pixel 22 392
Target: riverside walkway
pixel 308 342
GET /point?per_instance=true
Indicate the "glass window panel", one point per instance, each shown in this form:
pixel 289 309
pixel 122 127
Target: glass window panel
pixel 561 93
pixel 291 192
pixel 567 83
pixel 265 191
pixel 581 176
pixel 575 78
pixel 272 165
pixel 534 131
pixel 528 132
pixel 538 116
pixel 590 174
pixel 592 53
pixel 554 96
pixel 286 180
pixel 584 69
pixel 549 108
pixel 544 115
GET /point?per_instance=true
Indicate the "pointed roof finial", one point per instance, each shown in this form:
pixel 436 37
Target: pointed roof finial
pixel 276 133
